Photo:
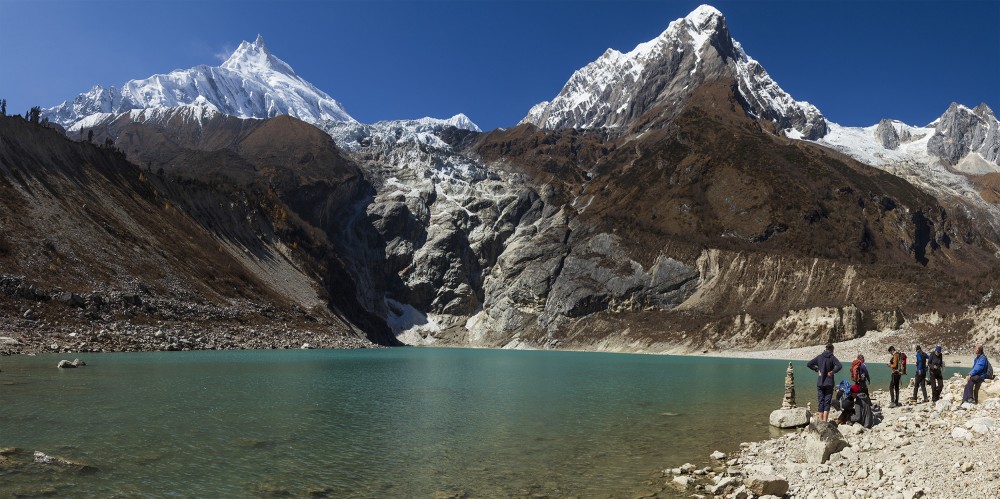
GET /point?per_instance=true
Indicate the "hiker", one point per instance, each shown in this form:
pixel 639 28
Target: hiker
pixel 847 403
pixel 935 366
pixel 980 366
pixel 920 378
pixel 897 363
pixel 826 365
pixel 859 373
pixel 866 414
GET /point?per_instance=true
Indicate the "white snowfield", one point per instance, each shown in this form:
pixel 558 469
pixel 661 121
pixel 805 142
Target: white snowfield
pixel 915 162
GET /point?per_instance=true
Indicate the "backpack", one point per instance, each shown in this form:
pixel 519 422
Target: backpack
pixel 856 371
pixel 988 374
pixel 901 366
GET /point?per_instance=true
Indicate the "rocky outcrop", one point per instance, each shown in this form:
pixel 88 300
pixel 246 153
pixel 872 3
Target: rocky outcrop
pixel 961 131
pixel 62 463
pixel 887 135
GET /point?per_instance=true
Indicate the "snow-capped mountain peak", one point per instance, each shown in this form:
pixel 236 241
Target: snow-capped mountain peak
pixel 662 73
pixel 252 83
pixel 462 121
pixel 255 58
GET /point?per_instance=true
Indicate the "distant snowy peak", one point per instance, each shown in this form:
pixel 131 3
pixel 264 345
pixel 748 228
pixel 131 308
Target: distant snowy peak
pixel 252 83
pixel 619 87
pixel 462 121
pixel 251 58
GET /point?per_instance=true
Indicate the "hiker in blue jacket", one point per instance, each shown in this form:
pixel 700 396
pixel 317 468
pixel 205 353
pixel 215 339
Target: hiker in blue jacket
pixel 920 379
pixel 826 365
pixel 976 376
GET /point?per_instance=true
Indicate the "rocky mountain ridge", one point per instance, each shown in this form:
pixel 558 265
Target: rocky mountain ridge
pixel 688 219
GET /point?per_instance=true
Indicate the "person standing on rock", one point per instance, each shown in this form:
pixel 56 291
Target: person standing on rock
pixel 920 378
pixel 859 373
pixel 935 365
pixel 895 364
pixel 826 365
pixel 976 376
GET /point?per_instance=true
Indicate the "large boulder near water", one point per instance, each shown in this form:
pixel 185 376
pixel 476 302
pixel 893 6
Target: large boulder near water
pixel 789 418
pixel 823 439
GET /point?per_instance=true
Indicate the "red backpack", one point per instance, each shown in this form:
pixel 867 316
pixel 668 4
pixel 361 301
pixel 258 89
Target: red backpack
pixel 856 371
pixel 901 366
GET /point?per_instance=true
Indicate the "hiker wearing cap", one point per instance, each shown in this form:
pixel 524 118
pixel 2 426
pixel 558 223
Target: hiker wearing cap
pixel 859 373
pixel 980 367
pixel 826 365
pixel 935 371
pixel 897 364
pixel 920 378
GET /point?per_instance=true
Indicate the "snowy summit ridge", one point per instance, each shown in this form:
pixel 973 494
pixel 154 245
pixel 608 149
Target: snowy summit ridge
pixel 618 88
pixel 252 83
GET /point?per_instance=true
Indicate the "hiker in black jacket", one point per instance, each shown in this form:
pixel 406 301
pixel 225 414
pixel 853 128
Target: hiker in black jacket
pixel 826 365
pixel 935 371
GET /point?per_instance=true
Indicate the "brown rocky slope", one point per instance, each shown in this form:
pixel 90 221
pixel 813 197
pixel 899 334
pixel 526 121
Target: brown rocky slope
pixel 89 241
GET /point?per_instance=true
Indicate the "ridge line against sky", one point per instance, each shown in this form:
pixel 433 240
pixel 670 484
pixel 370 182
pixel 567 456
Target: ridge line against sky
pixel 857 61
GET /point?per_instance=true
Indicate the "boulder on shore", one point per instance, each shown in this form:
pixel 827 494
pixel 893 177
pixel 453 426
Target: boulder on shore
pixel 822 440
pixel 767 485
pixel 789 418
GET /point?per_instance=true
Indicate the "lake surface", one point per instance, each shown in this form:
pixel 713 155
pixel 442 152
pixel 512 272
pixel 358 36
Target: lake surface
pixel 401 422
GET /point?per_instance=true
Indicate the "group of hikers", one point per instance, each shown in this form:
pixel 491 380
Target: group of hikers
pixel 853 398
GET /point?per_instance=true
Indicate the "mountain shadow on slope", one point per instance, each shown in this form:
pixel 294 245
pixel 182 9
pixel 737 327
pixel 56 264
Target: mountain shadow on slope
pixel 107 224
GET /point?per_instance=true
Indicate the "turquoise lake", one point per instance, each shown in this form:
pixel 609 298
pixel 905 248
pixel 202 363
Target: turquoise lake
pixel 400 422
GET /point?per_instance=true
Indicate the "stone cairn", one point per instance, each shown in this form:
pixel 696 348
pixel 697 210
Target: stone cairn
pixel 789 402
pixel 790 415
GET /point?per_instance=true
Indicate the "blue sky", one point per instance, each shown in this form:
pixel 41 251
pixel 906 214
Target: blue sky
pixel 858 61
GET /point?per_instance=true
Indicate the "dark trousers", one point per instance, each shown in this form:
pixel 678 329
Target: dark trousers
pixel 920 381
pixel 937 384
pixel 825 396
pixel 972 389
pixel 894 387
pixel 864 386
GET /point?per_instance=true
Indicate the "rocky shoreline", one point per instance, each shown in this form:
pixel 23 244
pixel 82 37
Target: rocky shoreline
pixel 165 336
pixel 942 450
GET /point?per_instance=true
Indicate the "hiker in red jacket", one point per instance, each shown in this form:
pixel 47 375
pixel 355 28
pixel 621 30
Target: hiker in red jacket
pixel 859 373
